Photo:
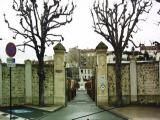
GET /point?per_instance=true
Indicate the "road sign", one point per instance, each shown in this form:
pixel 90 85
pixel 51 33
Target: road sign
pixel 11 52
pixel 11 62
pixel 11 49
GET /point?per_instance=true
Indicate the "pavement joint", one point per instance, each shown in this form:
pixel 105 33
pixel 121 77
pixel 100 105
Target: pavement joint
pixel 89 114
pixel 110 109
pixel 50 113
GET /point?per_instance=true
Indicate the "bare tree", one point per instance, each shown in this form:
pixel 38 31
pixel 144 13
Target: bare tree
pixel 117 24
pixel 158 0
pixel 36 25
pixel 156 43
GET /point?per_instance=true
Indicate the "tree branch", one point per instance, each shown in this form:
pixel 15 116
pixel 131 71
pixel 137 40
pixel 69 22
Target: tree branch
pixel 115 26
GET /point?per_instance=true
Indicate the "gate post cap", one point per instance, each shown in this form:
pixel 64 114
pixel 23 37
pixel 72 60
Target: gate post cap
pixel 101 46
pixel 59 47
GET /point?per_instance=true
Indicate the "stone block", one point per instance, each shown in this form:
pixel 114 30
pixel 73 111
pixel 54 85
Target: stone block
pixel 102 101
pixel 59 100
pixel 49 100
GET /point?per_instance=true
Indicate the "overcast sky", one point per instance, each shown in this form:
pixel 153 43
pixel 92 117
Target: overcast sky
pixel 78 33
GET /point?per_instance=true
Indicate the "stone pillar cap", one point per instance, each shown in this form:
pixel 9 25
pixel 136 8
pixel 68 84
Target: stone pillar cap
pixel 60 47
pixel 101 46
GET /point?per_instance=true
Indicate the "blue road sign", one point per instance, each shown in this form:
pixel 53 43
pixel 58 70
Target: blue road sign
pixel 11 62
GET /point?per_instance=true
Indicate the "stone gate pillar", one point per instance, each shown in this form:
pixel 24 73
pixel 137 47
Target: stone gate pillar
pixel 59 75
pixel 28 82
pixel 133 80
pixel 101 75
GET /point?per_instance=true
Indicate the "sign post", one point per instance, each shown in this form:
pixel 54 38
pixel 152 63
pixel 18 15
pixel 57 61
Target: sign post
pixel 11 52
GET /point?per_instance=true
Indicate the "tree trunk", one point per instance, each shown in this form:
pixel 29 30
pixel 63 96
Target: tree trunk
pixel 118 69
pixel 41 76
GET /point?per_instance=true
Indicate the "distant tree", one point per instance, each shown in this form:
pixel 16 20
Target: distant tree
pixel 117 24
pixel 146 55
pixel 159 10
pixel 73 56
pixel 73 59
pixel 87 58
pixel 156 43
pixel 83 60
pixel 36 23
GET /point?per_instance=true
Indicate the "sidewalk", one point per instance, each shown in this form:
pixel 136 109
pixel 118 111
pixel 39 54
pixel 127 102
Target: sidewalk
pixel 48 108
pixel 139 112
pixel 6 116
pixel 81 108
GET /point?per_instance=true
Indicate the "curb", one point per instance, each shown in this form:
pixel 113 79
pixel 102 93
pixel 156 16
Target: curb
pixel 58 109
pixel 45 109
pixel 50 112
pixel 110 109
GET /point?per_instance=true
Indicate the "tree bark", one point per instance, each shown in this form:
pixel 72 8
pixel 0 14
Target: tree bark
pixel 41 76
pixel 118 77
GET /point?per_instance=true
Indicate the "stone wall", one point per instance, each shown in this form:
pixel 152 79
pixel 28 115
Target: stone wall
pixel 49 84
pixel 142 89
pixel 17 85
pixel 19 88
pixel 125 83
pixel 35 86
pixel 25 82
pixel 147 83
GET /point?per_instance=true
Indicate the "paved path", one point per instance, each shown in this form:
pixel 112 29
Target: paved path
pixel 140 112
pixel 81 108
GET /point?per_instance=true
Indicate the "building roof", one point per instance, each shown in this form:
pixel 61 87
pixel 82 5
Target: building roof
pixel 87 50
pixel 143 47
